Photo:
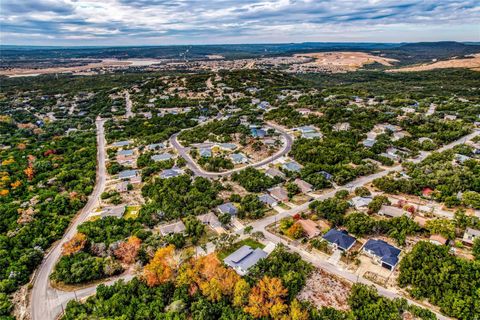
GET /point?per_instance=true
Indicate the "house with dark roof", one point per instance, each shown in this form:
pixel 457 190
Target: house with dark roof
pixel 244 258
pixel 228 208
pixel 326 175
pixel 258 133
pixel 382 252
pixel 339 239
pixel 267 199
pixel 128 174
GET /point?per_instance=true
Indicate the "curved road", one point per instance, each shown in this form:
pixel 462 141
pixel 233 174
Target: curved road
pixel 47 302
pixel 192 165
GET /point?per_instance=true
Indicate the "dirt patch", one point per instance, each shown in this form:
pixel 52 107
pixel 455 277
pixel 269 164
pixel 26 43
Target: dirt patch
pixel 325 290
pixel 470 63
pixel 343 61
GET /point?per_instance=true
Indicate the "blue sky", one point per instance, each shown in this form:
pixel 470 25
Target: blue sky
pixel 164 22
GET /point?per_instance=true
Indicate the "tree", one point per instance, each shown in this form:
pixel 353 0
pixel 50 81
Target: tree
pixel 193 228
pixel 297 312
pixel 162 267
pixel 476 248
pixel 225 218
pixel 443 227
pixel 295 231
pixel 471 199
pixel 75 244
pixel 292 189
pixel 127 251
pixel 267 297
pixel 240 293
pixel 362 192
pixel 376 203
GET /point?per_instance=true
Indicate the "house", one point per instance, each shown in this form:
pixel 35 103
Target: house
pixel 228 208
pixel 267 199
pixel 238 158
pixel 209 219
pixel 205 152
pixel 450 117
pixel 264 105
pixel 292 166
pixel 244 258
pixel 162 157
pixel 326 175
pixel 306 129
pixel 304 186
pixel 125 156
pixel 122 186
pixel 427 192
pixel 171 173
pixel 309 227
pixel 172 228
pixel 461 159
pixel 120 144
pixel 470 235
pixel 304 111
pixel 392 212
pixel 116 211
pixel 438 240
pixel 339 239
pixel 343 126
pixel 272 173
pixel 227 146
pixel 408 110
pixel 383 253
pixel 128 174
pixel 360 202
pixel 258 133
pixel 312 135
pixel 155 146
pixel 279 193
pixel 369 142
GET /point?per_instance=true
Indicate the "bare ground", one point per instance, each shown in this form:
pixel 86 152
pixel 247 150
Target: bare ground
pixel 345 61
pixel 470 63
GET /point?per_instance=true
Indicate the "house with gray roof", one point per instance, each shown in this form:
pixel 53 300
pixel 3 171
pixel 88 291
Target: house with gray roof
pixel 114 211
pixel 312 135
pixel 228 208
pixel 272 173
pixel 360 202
pixel 171 173
pixel 392 212
pixel 172 228
pixel 227 146
pixel 238 158
pixel 155 146
pixel 292 166
pixel 279 193
pixel 121 143
pixel 339 239
pixel 205 152
pixel 209 219
pixel 267 199
pixel 369 142
pixel 244 258
pixel 128 174
pixel 162 157
pixel 383 253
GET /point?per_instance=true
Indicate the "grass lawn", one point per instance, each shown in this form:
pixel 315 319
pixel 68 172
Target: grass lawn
pixel 131 212
pixel 284 206
pixel 248 241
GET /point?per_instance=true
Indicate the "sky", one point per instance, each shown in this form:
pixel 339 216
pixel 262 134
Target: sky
pixel 169 22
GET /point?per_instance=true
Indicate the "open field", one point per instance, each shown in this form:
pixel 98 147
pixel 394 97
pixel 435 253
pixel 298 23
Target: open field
pixel 472 63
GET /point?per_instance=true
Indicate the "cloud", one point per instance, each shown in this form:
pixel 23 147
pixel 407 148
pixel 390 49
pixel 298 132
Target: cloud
pixel 125 22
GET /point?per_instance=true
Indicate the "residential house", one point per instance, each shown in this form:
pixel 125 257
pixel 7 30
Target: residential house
pixel 450 117
pixel 209 219
pixel 114 211
pixel 125 156
pixel 258 133
pixel 128 174
pixel 155 146
pixel 470 235
pixel 292 166
pixel 326 175
pixel 272 173
pixel 360 202
pixel 227 146
pixel 162 157
pixel 171 173
pixel 438 240
pixel 120 144
pixel 205 152
pixel 306 129
pixel 392 212
pixel 279 193
pixel 369 142
pixel 383 253
pixel 312 135
pixel 172 228
pixel 304 186
pixel 339 239
pixel 460 158
pixel 343 126
pixel 268 199
pixel 244 258
pixel 309 227
pixel 427 192
pixel 238 158
pixel 228 208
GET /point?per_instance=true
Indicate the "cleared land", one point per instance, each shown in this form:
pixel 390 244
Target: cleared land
pixel 345 61
pixel 472 62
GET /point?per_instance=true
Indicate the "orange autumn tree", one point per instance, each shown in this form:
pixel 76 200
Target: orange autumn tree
pixel 74 245
pixel 162 267
pixel 29 173
pixel 127 251
pixel 267 298
pixel 208 275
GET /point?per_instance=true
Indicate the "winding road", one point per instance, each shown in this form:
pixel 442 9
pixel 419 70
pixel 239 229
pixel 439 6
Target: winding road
pixel 192 165
pixel 47 302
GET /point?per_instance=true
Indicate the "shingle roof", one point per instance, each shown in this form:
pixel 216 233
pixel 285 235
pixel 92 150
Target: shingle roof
pixel 267 199
pixel 125 152
pixel 386 252
pixel 245 258
pixel 127 174
pixel 341 238
pixel 227 208
pixel 162 157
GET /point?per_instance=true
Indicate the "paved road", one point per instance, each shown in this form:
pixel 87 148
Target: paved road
pixel 192 165
pixel 47 302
